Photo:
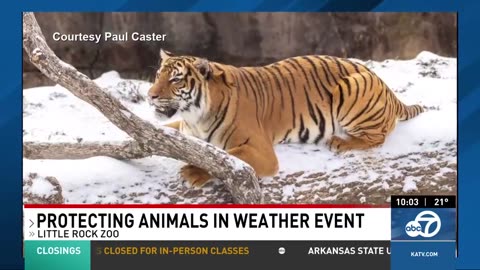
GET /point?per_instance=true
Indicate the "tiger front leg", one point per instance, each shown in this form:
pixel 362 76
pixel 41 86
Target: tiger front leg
pixel 261 157
pixel 195 176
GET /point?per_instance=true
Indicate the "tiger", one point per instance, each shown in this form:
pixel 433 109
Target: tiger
pixel 245 111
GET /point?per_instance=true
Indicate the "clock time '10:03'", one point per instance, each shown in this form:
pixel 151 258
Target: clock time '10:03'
pixel 407 202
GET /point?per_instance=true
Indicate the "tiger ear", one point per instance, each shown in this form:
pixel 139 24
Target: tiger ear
pixel 164 55
pixel 203 67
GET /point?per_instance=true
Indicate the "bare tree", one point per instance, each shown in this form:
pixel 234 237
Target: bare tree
pixel 239 177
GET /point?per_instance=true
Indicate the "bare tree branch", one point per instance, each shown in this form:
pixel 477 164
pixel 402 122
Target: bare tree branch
pixel 238 177
pixel 124 150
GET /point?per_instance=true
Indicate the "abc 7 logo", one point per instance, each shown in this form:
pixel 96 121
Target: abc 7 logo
pixel 414 228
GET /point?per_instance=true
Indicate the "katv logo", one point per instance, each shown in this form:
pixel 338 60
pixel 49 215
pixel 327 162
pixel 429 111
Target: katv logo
pixel 431 225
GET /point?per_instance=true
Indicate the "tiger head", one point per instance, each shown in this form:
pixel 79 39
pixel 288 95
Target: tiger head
pixel 179 84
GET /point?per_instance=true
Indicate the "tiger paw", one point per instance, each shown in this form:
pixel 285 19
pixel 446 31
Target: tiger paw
pixel 195 176
pixel 337 144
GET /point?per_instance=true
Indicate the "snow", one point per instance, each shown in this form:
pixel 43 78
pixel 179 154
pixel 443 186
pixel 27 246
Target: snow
pixel 418 156
pixel 42 188
pixel 410 185
pixel 363 200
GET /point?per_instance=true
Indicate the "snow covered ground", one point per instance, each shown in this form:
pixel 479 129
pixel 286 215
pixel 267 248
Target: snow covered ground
pixel 419 157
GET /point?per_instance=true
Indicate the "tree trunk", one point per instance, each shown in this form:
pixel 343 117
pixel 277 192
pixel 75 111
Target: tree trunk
pixel 238 176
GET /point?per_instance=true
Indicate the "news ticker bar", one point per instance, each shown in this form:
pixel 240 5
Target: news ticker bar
pixel 430 201
pixel 119 255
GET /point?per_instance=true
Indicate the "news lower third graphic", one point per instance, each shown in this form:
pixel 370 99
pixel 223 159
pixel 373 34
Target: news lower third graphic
pixel 423 232
pixel 82 237
pixel 415 232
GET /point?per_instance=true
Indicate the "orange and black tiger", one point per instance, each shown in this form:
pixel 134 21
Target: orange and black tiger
pixel 247 110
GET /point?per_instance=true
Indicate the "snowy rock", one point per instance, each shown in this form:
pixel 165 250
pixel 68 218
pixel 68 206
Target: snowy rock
pixel 41 190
